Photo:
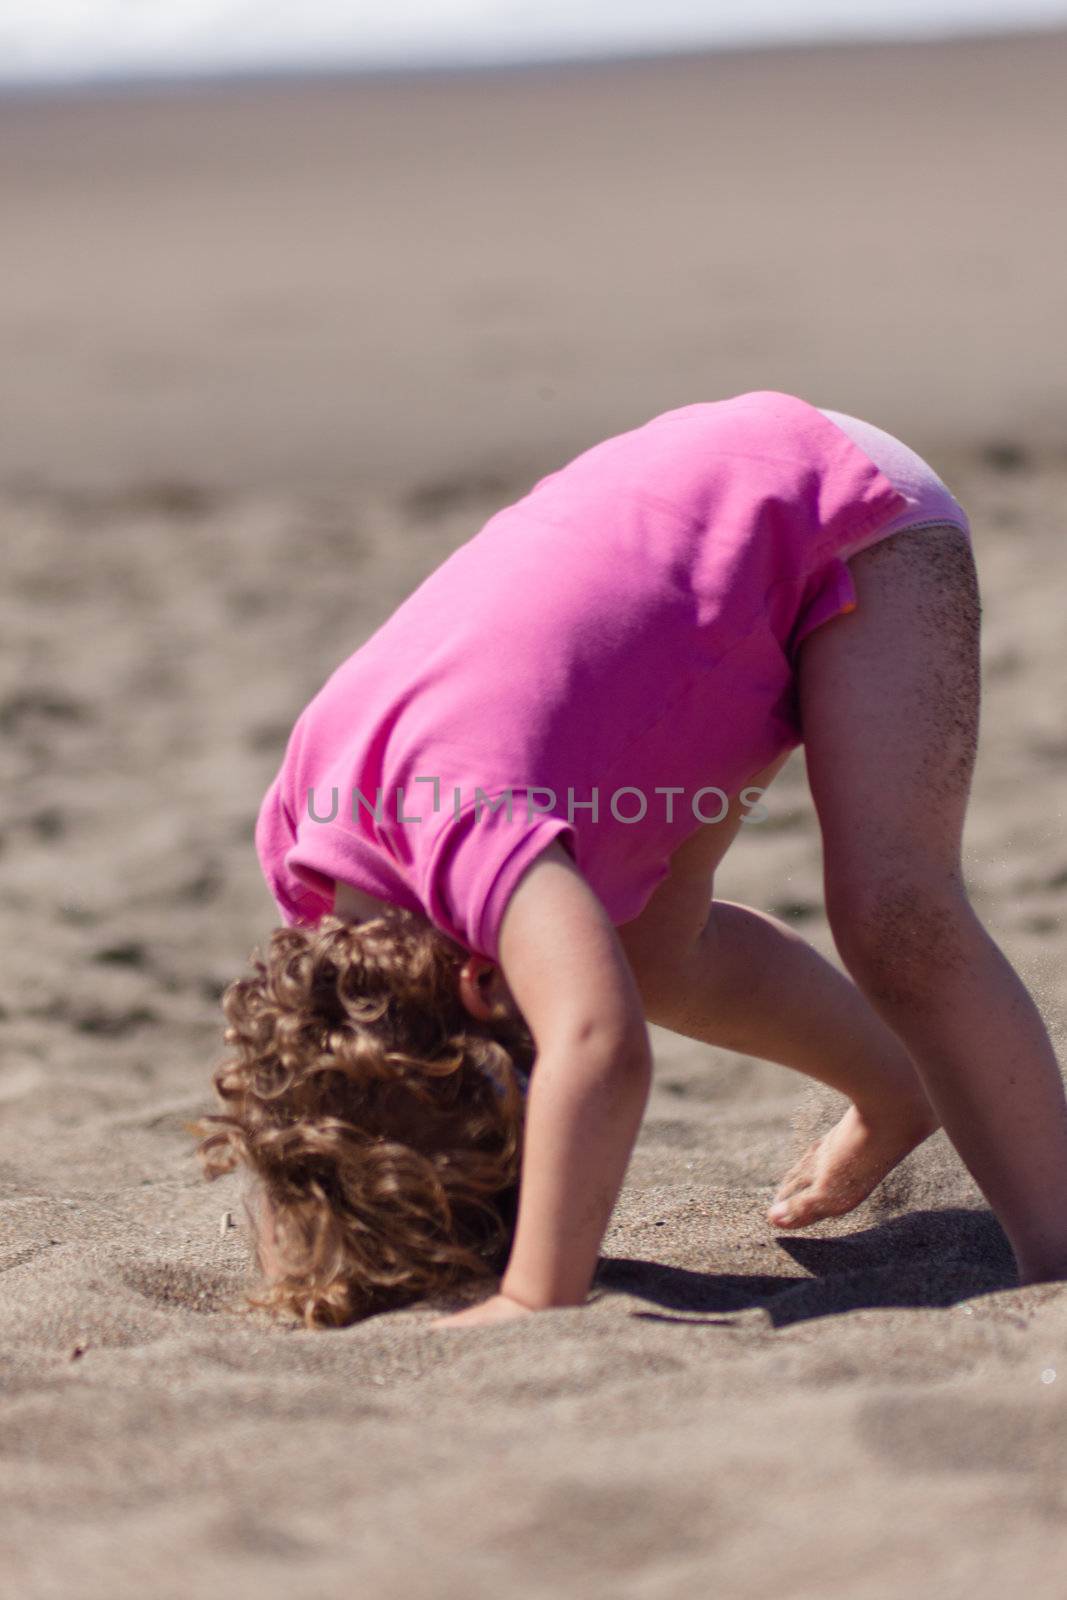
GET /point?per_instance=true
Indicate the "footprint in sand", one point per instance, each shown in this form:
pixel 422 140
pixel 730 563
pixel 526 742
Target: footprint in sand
pixel 166 1285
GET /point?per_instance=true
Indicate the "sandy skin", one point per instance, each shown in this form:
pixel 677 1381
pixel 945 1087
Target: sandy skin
pixel 840 1170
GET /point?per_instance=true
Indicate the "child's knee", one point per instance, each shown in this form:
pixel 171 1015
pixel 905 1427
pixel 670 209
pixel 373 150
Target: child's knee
pixel 900 936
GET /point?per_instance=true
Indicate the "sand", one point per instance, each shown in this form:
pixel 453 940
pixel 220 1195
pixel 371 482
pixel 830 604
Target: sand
pixel 273 351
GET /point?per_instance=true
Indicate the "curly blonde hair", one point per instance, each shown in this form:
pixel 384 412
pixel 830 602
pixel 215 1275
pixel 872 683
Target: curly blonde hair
pixel 381 1122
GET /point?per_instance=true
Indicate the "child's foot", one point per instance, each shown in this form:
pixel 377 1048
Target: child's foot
pixel 842 1168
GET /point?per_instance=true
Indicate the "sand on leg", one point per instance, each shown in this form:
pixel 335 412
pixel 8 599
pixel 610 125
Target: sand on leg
pixel 889 699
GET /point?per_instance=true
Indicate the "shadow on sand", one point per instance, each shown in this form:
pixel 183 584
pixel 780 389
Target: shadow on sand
pixel 928 1258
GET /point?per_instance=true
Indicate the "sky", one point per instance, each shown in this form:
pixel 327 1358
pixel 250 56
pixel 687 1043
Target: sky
pixel 71 40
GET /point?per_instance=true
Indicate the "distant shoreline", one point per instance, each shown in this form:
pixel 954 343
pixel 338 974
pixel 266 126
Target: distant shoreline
pixel 146 83
pixel 426 284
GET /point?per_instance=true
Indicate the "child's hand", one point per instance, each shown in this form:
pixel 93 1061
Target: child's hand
pixel 498 1308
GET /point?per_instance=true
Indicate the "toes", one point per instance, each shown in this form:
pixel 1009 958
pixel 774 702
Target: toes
pixel 794 1211
pixel 784 1212
pixel 793 1183
pixel 795 1214
pixel 800 1176
pixel 811 1205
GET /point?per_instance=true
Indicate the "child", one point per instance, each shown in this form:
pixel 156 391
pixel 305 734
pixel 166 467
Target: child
pixel 494 836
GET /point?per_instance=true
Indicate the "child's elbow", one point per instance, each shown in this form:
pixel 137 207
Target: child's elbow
pixel 619 1046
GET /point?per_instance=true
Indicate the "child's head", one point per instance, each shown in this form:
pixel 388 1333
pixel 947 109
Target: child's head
pixel 379 1119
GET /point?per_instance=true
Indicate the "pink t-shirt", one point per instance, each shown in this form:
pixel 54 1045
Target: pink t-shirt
pixel 614 652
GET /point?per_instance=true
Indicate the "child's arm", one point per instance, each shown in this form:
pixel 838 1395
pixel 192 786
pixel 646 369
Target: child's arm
pixel 563 962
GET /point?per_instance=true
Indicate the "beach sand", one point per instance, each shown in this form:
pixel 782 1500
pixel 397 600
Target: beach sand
pixel 270 352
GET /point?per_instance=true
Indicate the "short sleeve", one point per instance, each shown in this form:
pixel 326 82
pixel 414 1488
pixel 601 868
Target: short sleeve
pixel 476 862
pixel 300 900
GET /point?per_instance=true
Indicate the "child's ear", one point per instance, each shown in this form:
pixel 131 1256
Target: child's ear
pixel 475 977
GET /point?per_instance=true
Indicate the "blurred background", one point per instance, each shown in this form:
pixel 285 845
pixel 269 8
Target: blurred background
pixel 265 246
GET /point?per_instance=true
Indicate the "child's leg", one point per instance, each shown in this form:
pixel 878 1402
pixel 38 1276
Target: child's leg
pixel 739 979
pixel 889 700
pixel 763 991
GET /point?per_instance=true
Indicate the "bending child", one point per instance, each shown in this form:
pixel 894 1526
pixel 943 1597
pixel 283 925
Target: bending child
pixel 494 838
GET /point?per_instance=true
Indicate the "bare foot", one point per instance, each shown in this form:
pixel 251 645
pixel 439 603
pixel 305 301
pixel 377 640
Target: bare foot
pixel 841 1169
